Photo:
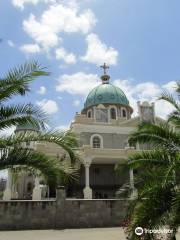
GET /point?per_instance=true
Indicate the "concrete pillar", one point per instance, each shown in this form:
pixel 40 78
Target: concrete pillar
pixel 87 190
pixel 8 191
pixel 60 194
pixel 60 207
pixel 37 190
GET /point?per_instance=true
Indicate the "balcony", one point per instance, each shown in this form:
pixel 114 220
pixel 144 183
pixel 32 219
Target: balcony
pixel 106 155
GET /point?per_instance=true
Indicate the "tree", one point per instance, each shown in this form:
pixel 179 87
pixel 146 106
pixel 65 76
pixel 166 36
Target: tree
pixel 17 82
pixel 158 203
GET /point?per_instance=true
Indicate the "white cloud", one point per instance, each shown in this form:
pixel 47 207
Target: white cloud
pixel 20 3
pixel 62 54
pixel 30 48
pixel 98 52
pixel 170 86
pixel 76 103
pixel 7 132
pixel 49 106
pixel 11 43
pixel 147 91
pixel 56 19
pixel 63 127
pixel 78 83
pixel 42 90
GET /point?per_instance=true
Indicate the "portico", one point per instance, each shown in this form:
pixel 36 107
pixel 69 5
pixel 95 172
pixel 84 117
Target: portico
pixel 104 160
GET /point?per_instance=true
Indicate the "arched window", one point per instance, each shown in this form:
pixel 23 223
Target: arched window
pixel 113 113
pixel 89 114
pixel 96 142
pixel 124 114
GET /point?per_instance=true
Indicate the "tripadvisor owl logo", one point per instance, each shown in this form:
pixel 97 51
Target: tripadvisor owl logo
pixel 139 231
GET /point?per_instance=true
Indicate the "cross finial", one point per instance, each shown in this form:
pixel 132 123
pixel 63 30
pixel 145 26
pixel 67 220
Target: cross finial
pixel 105 67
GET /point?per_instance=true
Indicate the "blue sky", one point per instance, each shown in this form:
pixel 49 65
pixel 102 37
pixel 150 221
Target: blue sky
pixel 139 39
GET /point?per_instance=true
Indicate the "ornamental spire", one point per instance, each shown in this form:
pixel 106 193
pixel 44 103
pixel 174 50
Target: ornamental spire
pixel 105 77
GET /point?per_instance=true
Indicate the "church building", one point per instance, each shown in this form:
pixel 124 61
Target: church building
pixel 102 128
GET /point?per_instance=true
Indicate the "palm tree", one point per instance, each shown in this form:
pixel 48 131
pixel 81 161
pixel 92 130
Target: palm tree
pixel 17 82
pixel 158 202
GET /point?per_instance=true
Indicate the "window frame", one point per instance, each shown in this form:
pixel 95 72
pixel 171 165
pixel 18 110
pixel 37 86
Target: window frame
pixel 123 110
pixel 89 111
pixel 100 138
pixel 115 111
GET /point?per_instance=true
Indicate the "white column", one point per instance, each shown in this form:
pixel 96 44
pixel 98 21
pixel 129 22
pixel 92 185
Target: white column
pixel 137 146
pixel 109 116
pixel 133 190
pixel 8 191
pixel 87 190
pixel 131 175
pixel 37 190
pixel 94 112
pixel 14 191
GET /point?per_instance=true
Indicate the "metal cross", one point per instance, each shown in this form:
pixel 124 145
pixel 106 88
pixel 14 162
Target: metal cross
pixel 105 67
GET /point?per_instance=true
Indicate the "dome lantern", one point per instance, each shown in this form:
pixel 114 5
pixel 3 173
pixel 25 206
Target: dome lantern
pixel 105 77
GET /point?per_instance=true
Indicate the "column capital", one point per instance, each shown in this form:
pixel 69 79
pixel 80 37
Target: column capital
pixel 87 161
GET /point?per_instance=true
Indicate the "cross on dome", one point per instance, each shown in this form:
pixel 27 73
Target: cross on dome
pixel 105 67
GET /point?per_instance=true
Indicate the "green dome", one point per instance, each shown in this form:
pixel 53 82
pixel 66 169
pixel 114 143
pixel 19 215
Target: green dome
pixel 106 93
pixel 27 126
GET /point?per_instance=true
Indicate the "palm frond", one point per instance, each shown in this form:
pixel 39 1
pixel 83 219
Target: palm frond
pixel 52 169
pixel 66 140
pixel 149 158
pixel 149 212
pixel 169 98
pixel 16 82
pixel 174 118
pixel 159 135
pixel 14 115
pixel 178 88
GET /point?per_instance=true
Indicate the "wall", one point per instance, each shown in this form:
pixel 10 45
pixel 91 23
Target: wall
pixel 62 213
pixel 95 213
pixel 110 140
pixel 15 215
